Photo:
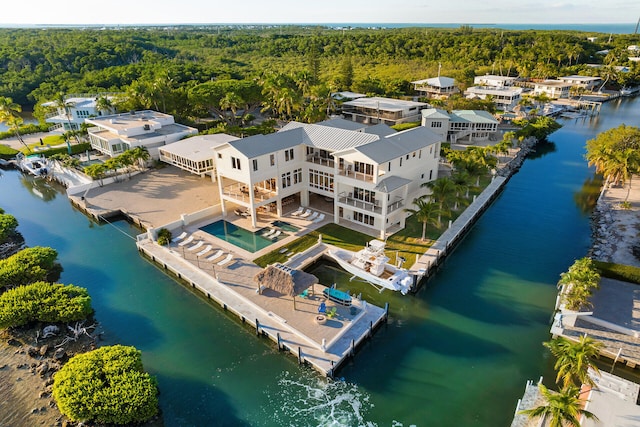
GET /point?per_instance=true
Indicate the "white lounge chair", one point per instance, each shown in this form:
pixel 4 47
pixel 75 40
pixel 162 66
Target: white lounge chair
pixel 204 251
pixel 216 255
pixel 275 235
pixel 306 213
pixel 313 216
pixel 180 237
pixel 270 232
pixel 226 260
pixel 196 246
pixel 186 242
pixel 319 218
pixel 298 211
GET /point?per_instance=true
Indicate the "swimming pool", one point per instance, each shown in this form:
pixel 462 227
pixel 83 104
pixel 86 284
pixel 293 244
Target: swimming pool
pixel 244 239
pixel 285 226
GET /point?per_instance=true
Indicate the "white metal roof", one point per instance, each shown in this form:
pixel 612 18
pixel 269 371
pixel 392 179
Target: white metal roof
pixel 473 116
pixel 385 104
pixel 198 148
pixel 436 81
pixel 399 144
pixel 393 182
pixel 435 113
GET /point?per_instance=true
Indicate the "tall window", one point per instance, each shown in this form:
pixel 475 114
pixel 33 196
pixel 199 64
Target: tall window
pixel 288 154
pixel 255 165
pixel 364 195
pixel 297 176
pixel 321 180
pixel 272 159
pixel 286 180
pixel 436 124
pixel 235 163
pixel 363 218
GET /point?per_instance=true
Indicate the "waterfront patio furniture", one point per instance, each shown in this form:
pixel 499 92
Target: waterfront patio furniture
pixel 186 242
pixel 297 211
pixel 270 232
pixel 196 246
pixel 275 235
pixel 306 213
pixel 285 280
pixel 313 216
pixel 216 255
pixel 238 212
pixel 322 308
pixel 204 251
pixel 283 250
pixel 180 237
pixel 320 218
pixel 226 260
pixel 331 313
pixel 304 294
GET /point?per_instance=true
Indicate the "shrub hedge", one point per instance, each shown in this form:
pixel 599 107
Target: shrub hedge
pixel 107 385
pixel 28 266
pixel 43 302
pixel 626 273
pixel 8 225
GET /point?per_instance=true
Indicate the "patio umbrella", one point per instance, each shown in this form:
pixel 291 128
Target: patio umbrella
pixel 285 280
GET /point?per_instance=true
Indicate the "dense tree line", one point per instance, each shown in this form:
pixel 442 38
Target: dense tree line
pixel 159 67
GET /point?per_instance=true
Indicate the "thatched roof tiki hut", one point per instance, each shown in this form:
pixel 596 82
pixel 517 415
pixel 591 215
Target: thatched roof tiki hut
pixel 285 280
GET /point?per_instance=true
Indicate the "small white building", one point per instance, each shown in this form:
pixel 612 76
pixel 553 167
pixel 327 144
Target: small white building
pixel 493 80
pixel 436 87
pixel 77 108
pixel 382 110
pixel 461 126
pixel 586 82
pixel 114 134
pixel 504 97
pixel 369 179
pixel 554 89
pixel 195 154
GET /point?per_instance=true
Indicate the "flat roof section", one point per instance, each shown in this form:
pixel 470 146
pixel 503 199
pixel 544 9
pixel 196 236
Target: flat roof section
pixel 385 104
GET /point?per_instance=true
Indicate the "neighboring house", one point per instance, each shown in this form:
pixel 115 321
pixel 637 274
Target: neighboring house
pixel 195 154
pixel 78 108
pixel 114 134
pixel 505 98
pixel 436 87
pixel 494 81
pixel 347 96
pixel 382 110
pixel 461 126
pixel 552 88
pixel 586 82
pixel 369 179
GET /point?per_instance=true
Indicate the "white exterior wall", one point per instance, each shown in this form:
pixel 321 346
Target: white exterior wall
pixel 431 124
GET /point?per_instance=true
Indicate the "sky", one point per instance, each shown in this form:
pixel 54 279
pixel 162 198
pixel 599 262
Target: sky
pixel 109 12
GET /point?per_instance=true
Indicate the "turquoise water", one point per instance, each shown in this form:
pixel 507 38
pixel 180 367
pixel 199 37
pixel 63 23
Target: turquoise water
pixel 456 354
pixel 285 226
pixel 240 237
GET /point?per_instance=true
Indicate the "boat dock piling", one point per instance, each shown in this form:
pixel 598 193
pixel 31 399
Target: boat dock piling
pixel 298 331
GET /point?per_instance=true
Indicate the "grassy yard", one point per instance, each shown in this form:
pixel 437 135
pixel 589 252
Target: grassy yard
pixel 405 243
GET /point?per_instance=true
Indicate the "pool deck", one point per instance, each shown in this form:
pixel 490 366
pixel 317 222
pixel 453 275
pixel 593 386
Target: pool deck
pixel 323 346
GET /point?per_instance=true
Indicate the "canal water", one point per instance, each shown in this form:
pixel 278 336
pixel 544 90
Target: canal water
pixel 456 354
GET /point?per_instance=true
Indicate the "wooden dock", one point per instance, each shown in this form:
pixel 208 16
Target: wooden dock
pixel 289 321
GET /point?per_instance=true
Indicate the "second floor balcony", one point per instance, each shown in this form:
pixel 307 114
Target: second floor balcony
pixel 360 176
pixel 370 206
pixel 241 192
pixel 315 158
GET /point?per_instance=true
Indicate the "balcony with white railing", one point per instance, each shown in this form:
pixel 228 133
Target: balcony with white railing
pixel 240 191
pixel 316 159
pixel 348 200
pixel 350 173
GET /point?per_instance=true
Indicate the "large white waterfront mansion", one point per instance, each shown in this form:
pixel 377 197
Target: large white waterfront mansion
pixel 76 109
pixel 368 176
pixel 114 134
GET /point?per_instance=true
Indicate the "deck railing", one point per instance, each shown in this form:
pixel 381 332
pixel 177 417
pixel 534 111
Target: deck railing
pixel 314 158
pixel 360 176
pixel 360 204
pixel 239 191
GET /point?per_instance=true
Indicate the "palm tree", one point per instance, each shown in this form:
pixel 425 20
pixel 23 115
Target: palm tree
pixel 127 160
pixel 141 155
pixel 96 171
pixel 61 103
pixel 563 408
pixel 113 164
pixel 426 212
pixel 574 358
pixel 443 192
pixel 578 283
pixel 105 104
pixel 10 114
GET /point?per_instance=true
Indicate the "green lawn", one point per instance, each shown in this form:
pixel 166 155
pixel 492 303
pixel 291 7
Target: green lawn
pixel 405 243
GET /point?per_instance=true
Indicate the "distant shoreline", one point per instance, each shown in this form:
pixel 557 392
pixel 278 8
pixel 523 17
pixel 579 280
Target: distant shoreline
pixel 606 28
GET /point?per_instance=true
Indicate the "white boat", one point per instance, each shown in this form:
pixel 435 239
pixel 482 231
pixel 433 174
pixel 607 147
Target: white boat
pixel 371 265
pixel 35 164
pixel 629 91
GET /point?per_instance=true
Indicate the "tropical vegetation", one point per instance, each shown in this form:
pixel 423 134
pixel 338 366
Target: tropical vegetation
pixel 561 409
pixel 28 266
pixel 8 226
pixel 616 154
pixel 43 302
pixel 578 283
pixel 106 386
